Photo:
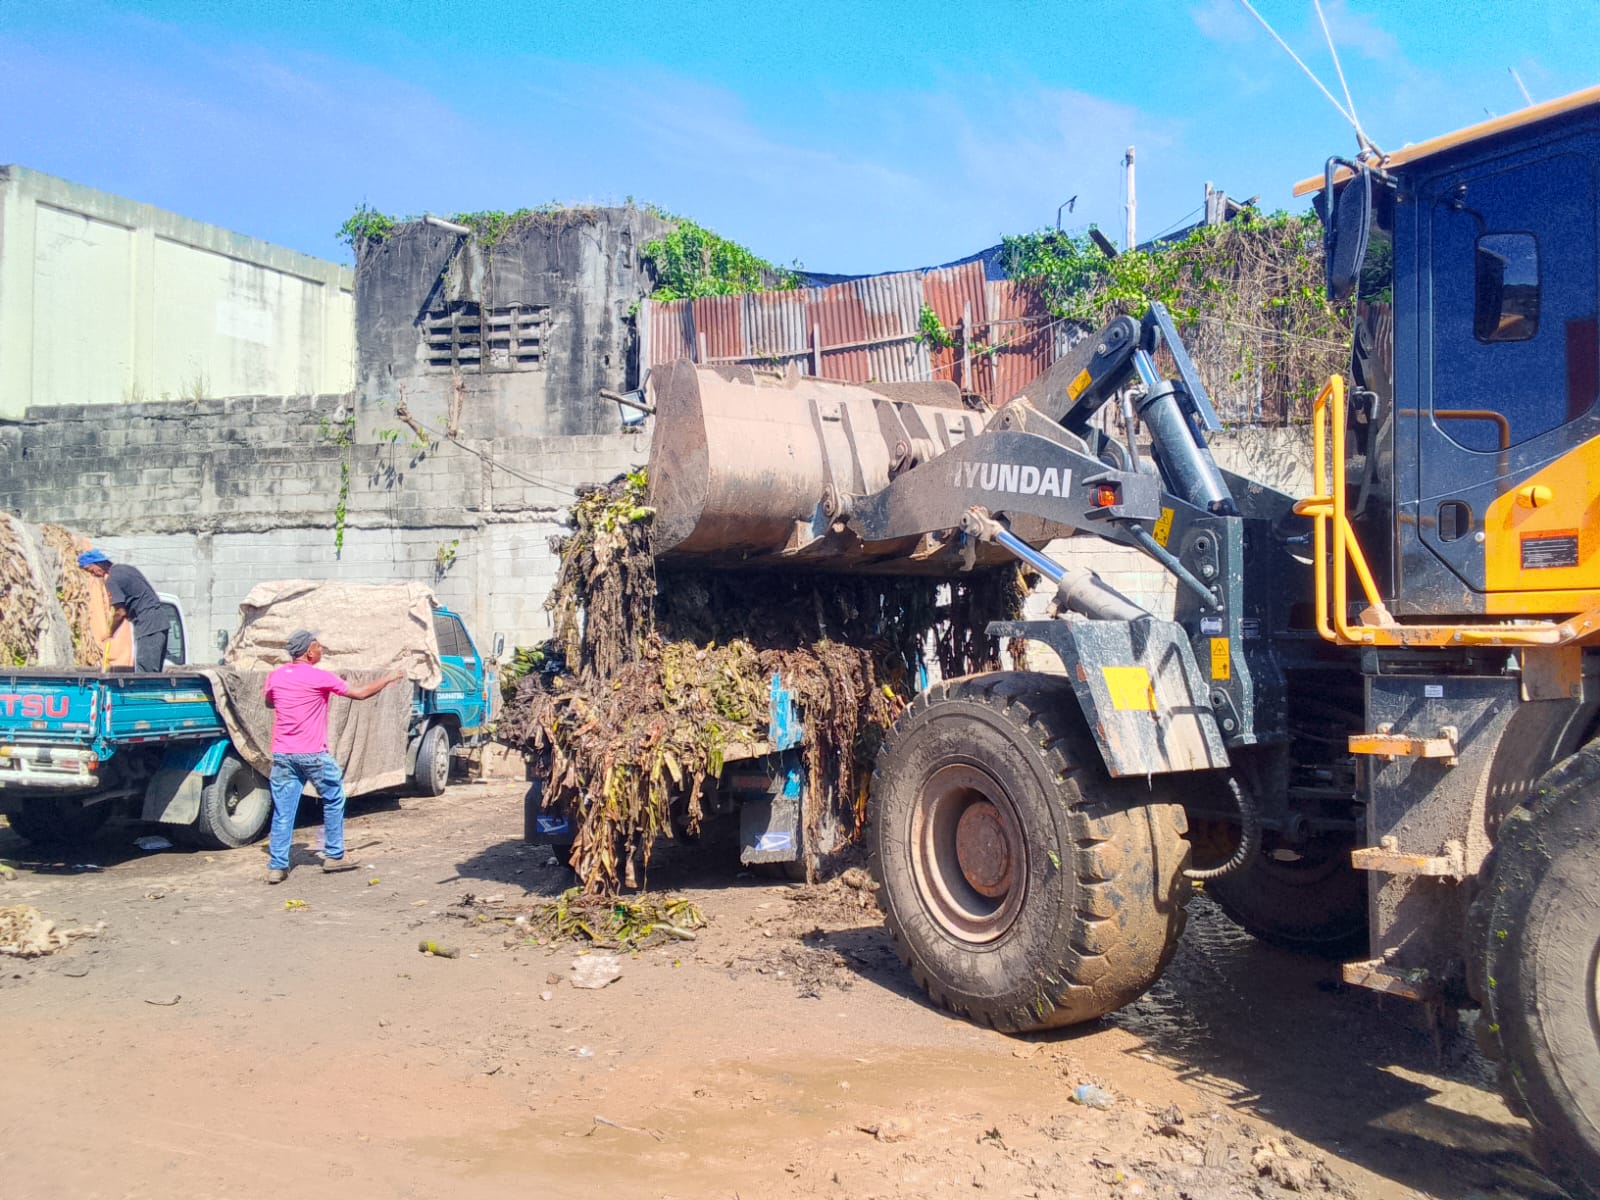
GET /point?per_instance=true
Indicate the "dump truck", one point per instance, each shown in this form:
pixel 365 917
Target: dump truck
pixel 1369 725
pixel 190 747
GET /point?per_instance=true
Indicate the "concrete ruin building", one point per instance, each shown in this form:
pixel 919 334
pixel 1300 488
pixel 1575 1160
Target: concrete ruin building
pixel 446 452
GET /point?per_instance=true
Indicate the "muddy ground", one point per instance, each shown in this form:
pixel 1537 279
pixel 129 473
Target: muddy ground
pixel 215 1039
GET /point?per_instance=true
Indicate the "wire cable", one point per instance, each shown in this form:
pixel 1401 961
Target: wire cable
pixel 1301 65
pixel 1361 135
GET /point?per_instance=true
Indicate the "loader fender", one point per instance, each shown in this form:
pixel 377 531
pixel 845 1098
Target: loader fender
pixel 1142 695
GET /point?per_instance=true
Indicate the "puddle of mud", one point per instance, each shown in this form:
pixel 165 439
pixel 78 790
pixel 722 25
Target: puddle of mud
pixel 1279 1035
pixel 726 1121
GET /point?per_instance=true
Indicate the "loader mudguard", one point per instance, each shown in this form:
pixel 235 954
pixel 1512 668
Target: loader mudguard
pixel 1142 694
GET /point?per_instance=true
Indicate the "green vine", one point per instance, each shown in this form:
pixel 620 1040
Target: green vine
pixel 342 434
pixel 691 261
pixel 931 330
pixel 366 224
pixel 1247 296
pixel 491 226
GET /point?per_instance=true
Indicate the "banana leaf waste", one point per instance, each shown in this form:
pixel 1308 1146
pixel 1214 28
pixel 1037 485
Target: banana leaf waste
pixel 656 674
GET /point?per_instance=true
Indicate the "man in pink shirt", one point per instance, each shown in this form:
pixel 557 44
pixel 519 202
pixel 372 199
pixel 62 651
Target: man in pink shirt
pixel 298 694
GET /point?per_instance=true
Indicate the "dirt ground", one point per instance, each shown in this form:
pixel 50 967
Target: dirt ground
pixel 216 1038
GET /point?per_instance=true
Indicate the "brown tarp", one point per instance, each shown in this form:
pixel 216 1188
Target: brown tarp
pixel 362 627
pixel 366 631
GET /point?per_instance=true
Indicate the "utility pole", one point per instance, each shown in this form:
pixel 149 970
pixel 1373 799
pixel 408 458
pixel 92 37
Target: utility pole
pixel 1132 205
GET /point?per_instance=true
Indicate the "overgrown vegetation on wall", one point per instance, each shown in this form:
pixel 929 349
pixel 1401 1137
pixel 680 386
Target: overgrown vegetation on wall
pixel 688 262
pixel 1247 297
pixel 691 261
pixel 491 225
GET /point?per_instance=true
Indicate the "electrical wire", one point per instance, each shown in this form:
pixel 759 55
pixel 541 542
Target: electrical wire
pixel 1361 135
pixel 1301 65
pixel 493 462
pixel 1186 217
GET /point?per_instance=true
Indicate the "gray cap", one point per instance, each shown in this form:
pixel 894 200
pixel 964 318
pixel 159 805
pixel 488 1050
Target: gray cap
pixel 300 641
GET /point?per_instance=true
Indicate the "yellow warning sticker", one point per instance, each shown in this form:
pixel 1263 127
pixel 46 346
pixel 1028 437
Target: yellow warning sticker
pixel 1221 663
pixel 1163 527
pixel 1130 689
pixel 1080 381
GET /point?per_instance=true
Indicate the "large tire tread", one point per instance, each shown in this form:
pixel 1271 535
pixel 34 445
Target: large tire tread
pixel 1117 946
pixel 1536 928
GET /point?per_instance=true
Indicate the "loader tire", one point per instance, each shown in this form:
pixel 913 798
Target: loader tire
pixel 1540 982
pixel 1308 899
pixel 235 808
pixel 1023 887
pixel 59 822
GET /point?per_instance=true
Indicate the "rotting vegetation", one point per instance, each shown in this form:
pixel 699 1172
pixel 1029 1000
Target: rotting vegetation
pixel 657 676
pixel 41 592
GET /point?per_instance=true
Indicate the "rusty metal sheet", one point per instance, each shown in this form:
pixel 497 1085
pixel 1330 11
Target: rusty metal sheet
pixel 952 292
pixel 838 313
pixel 1024 339
pixel 668 331
pixel 893 305
pixel 718 322
pixel 868 330
pixel 775 330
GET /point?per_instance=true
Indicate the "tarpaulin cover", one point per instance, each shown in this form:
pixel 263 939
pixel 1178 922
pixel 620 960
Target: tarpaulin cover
pixel 366 630
pixel 362 627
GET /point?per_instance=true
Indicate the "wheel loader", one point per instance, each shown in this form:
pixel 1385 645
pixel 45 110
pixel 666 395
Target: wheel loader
pixel 1368 726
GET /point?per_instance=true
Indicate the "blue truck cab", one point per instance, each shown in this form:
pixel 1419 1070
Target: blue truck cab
pixel 77 746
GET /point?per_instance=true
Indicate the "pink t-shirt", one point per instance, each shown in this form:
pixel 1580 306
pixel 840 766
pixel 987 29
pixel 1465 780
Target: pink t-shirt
pixel 298 693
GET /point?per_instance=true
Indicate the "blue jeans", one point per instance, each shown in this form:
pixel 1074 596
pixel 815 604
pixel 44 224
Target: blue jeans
pixel 290 772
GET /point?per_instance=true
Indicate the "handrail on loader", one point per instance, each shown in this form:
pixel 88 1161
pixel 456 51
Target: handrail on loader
pixel 1329 513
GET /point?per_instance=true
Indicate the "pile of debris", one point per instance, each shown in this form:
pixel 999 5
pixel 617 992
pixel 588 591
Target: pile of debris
pixel 46 603
pixel 655 674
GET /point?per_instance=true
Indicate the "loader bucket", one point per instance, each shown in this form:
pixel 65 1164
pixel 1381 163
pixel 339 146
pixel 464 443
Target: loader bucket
pixel 752 468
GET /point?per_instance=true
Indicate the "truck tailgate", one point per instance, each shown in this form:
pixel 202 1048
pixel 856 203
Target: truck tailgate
pixel 48 708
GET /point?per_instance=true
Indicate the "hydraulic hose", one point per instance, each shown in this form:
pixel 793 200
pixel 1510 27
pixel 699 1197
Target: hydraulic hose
pixel 1249 837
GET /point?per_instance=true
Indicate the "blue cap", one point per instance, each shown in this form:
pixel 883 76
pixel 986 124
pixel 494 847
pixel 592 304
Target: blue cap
pixel 299 642
pixel 89 557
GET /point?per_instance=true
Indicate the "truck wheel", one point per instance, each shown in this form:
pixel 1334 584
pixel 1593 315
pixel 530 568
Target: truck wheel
pixel 432 773
pixel 235 807
pixel 59 821
pixel 1540 986
pixel 1024 888
pixel 1307 898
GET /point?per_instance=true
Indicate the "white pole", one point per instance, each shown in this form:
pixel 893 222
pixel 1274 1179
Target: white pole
pixel 1132 205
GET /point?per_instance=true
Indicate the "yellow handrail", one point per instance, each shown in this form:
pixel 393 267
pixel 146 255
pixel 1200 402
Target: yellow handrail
pixel 1327 509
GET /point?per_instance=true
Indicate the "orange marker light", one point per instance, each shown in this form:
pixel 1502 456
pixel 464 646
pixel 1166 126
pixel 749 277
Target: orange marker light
pixel 1106 495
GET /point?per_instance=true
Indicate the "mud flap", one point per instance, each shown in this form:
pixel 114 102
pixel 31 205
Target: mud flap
pixel 173 794
pixel 1142 694
pixel 769 794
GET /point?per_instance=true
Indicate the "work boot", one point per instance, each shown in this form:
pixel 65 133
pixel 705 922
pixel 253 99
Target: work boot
pixel 277 875
pixel 330 865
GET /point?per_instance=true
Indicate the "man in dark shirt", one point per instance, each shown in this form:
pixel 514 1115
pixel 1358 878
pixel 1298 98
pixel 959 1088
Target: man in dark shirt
pixel 132 600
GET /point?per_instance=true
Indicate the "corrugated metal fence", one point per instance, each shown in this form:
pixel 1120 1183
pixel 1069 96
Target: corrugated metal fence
pixel 870 330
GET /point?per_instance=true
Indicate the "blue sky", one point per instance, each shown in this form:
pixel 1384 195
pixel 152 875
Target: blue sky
pixel 848 137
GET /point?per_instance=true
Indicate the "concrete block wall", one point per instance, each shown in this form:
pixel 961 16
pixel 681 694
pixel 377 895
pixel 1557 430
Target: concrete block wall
pixel 209 499
pixel 1278 458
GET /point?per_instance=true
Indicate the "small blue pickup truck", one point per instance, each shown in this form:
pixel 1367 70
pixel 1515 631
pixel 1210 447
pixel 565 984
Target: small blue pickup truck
pixel 77 746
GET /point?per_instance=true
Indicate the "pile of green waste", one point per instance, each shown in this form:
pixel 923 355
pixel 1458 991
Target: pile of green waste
pixel 656 676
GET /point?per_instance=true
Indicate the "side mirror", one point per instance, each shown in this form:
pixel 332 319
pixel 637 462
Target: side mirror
pixel 1347 216
pixel 499 644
